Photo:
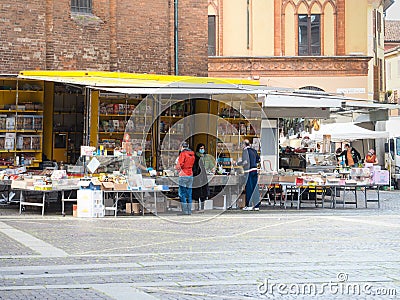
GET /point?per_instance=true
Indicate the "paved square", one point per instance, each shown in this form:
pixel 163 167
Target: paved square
pixel 274 253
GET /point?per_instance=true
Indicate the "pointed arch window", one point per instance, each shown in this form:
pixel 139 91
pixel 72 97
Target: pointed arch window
pixel 309 35
pixel 212 35
pixel 81 6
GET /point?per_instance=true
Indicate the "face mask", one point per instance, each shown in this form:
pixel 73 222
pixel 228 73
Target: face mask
pixel 201 151
pixel 139 152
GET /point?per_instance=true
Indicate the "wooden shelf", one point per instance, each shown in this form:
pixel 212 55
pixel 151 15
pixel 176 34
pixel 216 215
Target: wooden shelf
pixel 172 117
pixel 233 119
pixel 29 131
pixel 114 115
pixel 22 111
pixel 121 132
pixel 21 91
pixel 30 91
pixel 172 133
pixel 32 151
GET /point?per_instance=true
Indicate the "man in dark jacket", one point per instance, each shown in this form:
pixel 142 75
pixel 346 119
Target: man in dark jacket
pixel 351 156
pixel 184 166
pixel 250 159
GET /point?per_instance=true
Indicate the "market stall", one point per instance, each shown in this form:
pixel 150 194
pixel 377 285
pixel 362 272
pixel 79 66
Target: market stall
pixel 156 111
pixel 339 132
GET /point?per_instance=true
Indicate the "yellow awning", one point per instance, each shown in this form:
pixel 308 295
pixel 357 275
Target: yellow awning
pixel 118 79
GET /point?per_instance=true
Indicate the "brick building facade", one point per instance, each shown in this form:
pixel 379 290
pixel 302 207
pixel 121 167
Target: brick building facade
pixel 120 35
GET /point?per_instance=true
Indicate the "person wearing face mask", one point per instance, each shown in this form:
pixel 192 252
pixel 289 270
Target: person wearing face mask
pixel 203 164
pixel 185 168
pixel 250 159
pixel 371 157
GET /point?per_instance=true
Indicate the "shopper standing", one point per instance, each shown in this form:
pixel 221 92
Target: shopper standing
pixel 250 159
pixel 351 156
pixel 184 166
pixel 203 164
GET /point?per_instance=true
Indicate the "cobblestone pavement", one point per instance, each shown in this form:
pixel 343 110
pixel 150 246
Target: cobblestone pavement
pixel 342 253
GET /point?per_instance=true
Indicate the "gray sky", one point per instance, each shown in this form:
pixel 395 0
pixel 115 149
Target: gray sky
pixel 393 13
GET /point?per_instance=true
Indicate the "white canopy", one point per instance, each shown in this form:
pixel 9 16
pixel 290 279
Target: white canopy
pixel 347 132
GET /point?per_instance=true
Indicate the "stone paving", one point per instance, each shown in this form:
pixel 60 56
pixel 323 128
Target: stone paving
pixel 342 253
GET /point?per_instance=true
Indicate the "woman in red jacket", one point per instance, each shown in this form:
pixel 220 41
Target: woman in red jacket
pixel 184 166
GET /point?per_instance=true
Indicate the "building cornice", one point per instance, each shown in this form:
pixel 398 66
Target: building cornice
pixel 286 66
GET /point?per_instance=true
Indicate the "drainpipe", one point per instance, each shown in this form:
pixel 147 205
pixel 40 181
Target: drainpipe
pixel 248 24
pixel 176 50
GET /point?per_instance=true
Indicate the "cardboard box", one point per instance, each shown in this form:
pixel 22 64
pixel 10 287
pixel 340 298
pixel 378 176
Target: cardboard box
pixel 120 186
pixel 107 186
pixel 381 177
pixel 220 201
pixel 162 207
pixel 208 204
pixel 29 181
pixel 18 184
pixel 92 184
pixel 132 208
pixel 288 178
pixel 241 202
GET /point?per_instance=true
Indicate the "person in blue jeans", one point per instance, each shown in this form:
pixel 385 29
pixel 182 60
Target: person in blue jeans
pixel 250 159
pixel 185 193
pixel 184 166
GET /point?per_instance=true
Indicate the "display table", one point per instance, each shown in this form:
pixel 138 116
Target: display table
pixel 5 186
pixel 335 190
pixel 44 193
pixel 231 184
pixel 354 189
pixel 117 195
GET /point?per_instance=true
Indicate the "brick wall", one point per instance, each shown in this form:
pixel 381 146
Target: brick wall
pixel 193 37
pixel 121 35
pixel 22 36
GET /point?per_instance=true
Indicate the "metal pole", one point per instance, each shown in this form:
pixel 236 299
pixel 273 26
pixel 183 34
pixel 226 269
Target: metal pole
pixel 176 49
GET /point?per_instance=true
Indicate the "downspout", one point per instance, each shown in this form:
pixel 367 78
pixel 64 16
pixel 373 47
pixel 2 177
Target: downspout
pixel 248 24
pixel 176 50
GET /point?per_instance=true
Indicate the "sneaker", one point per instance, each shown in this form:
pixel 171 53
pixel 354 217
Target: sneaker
pixel 247 208
pixel 256 208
